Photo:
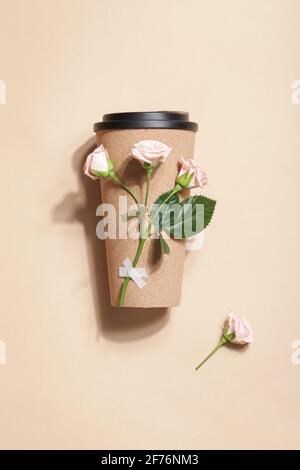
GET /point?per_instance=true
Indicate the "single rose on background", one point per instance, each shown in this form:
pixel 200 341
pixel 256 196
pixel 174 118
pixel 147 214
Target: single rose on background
pixel 161 217
pixel 236 330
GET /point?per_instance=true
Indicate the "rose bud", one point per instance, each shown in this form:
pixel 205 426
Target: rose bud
pixel 98 164
pixel 237 329
pixel 191 175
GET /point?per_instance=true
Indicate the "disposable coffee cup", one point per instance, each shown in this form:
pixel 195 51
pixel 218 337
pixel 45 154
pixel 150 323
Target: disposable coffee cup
pixel 118 133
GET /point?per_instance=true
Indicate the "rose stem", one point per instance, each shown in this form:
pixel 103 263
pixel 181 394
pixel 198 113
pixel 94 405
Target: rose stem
pixel 149 171
pixel 175 190
pixel 134 263
pixel 117 180
pixel 219 345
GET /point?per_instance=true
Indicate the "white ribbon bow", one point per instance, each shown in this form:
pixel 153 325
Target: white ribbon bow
pixel 136 274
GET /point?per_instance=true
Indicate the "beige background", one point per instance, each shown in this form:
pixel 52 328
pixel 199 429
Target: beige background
pixel 82 375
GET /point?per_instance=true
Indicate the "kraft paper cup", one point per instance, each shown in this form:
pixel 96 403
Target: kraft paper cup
pixel 118 133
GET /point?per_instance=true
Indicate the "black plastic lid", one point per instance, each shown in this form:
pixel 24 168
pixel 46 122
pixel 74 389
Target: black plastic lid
pixel 147 120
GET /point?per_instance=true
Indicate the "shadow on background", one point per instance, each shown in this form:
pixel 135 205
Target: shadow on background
pixel 119 324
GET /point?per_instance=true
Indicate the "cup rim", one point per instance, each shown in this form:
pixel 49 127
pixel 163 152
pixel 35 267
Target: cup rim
pixel 146 120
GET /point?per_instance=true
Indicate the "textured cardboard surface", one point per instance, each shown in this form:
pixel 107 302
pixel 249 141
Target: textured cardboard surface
pixel 163 287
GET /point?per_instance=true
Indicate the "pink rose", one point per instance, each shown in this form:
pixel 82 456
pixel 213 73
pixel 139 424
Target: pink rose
pixel 191 175
pixel 98 163
pixel 240 327
pixel 152 152
pixel 236 330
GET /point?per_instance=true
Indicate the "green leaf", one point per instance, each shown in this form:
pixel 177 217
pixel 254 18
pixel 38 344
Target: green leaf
pixel 182 219
pixel 164 245
pixel 209 208
pixel 162 198
pixel 195 214
pixel 160 215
